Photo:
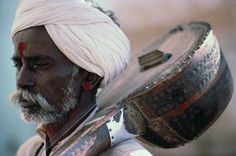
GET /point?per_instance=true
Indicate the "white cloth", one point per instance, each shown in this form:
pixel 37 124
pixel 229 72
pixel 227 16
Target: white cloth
pixel 117 130
pixel 129 147
pixel 85 35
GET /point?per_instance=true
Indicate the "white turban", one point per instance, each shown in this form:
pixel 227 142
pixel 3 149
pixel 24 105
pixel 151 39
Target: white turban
pixel 85 35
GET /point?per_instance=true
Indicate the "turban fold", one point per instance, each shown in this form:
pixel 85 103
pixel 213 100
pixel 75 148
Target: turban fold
pixel 84 34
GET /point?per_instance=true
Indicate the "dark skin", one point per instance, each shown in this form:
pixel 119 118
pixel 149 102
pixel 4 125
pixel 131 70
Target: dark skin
pixel 42 68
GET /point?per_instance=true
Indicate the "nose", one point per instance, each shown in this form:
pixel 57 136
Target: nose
pixel 25 79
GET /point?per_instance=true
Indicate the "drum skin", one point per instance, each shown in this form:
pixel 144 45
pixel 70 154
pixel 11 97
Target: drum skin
pixel 177 108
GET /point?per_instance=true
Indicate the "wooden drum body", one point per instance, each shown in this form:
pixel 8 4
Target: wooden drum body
pixel 167 97
pixel 177 99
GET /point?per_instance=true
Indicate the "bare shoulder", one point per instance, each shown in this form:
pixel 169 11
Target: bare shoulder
pixel 30 146
pixel 129 147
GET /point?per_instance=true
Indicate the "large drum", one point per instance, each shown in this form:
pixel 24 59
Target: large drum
pixel 175 89
pixel 169 94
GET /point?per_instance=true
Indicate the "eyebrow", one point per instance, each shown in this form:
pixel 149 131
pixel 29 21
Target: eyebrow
pixel 15 58
pixel 31 58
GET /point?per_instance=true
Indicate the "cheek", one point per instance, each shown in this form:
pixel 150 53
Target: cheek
pixel 54 88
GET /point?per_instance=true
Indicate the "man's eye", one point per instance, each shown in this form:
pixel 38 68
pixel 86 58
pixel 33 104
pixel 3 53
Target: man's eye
pixel 40 65
pixel 17 65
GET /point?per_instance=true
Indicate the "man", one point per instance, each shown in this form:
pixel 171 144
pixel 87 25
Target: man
pixel 64 51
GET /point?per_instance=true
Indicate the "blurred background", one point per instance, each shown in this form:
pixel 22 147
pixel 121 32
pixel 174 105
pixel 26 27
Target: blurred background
pixel 142 21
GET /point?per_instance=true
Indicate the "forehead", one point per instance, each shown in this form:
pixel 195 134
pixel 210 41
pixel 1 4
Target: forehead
pixel 34 34
pixel 36 41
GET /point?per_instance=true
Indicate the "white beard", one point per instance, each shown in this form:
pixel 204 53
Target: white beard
pixel 35 108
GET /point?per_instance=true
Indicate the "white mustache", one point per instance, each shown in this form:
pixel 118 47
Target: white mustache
pixel 19 97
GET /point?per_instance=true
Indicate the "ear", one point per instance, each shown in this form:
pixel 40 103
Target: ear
pixel 91 81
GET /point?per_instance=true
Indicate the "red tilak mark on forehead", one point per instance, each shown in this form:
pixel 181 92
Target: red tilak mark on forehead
pixel 21 48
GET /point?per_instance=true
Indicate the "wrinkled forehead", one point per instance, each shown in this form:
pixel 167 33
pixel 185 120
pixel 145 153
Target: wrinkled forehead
pixel 36 42
pixel 34 39
pixel 33 34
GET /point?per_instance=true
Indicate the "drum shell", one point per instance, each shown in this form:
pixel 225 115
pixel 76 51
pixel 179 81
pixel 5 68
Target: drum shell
pixel 181 107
